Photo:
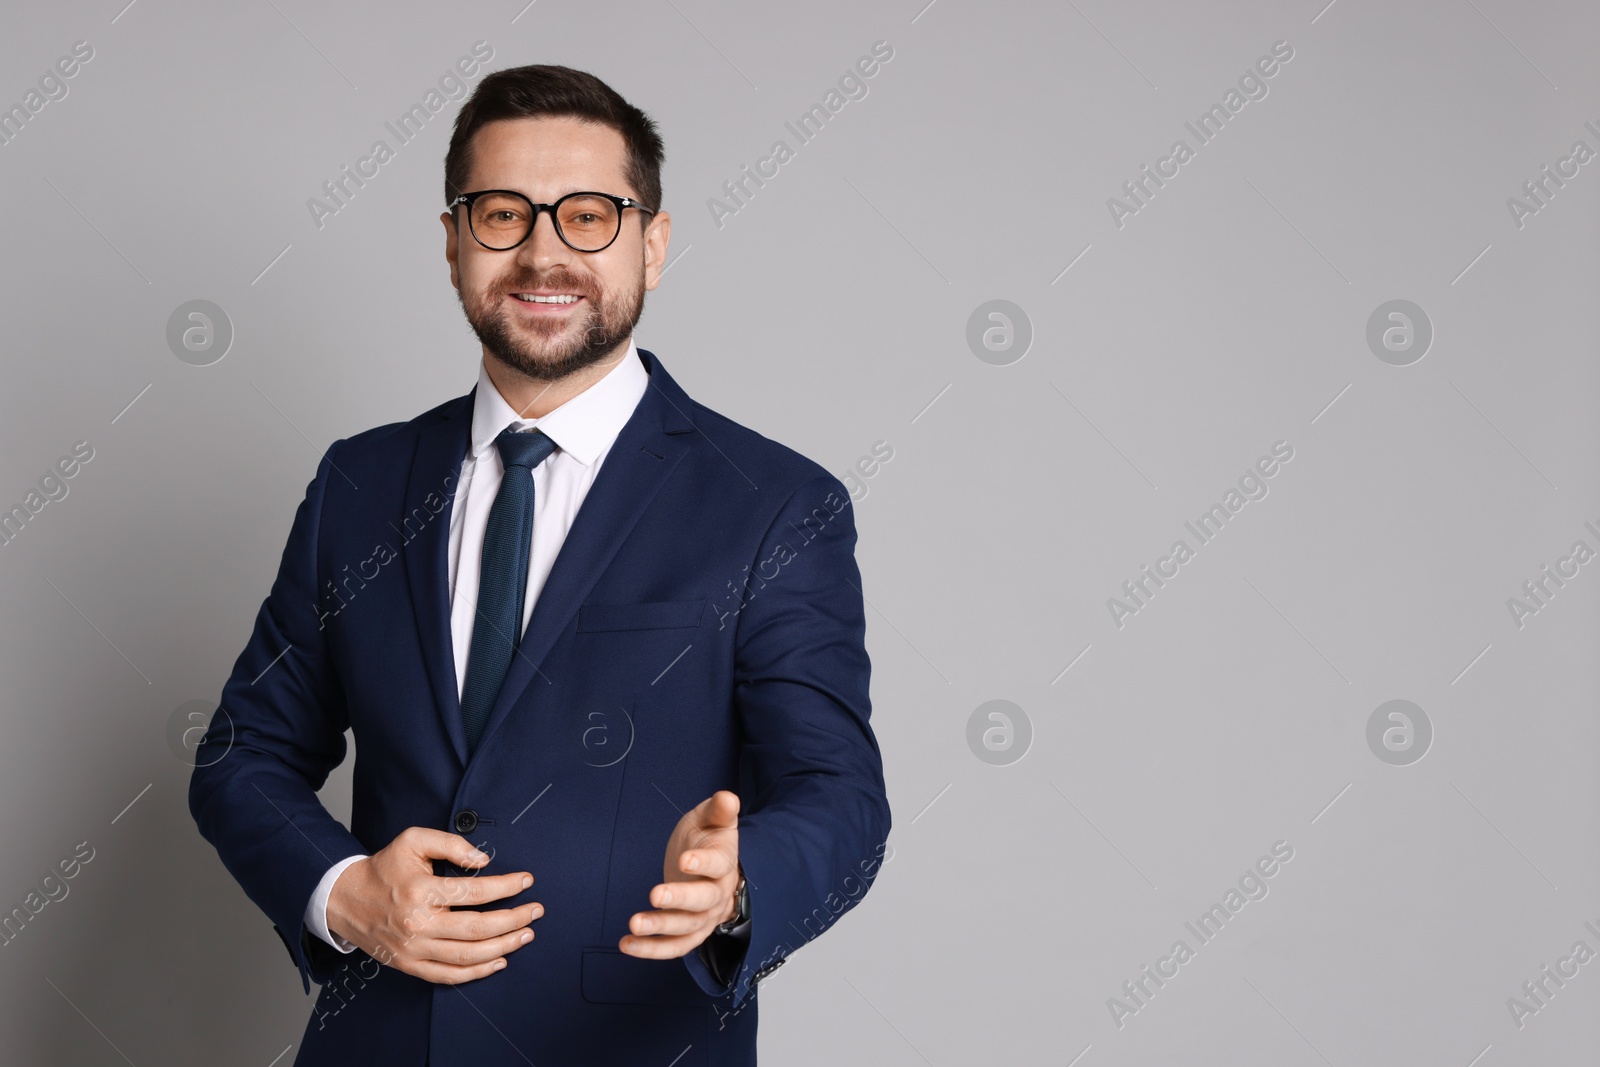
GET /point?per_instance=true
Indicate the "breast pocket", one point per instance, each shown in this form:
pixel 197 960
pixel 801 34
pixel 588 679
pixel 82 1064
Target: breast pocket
pixel 651 615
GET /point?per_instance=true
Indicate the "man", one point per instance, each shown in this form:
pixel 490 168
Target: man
pixel 601 650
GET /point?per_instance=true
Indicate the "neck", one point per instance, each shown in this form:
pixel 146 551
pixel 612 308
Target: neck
pixel 534 398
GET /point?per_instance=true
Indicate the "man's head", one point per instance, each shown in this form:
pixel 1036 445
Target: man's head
pixel 546 131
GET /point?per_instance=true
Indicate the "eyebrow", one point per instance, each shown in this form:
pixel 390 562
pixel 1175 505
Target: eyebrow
pixel 564 192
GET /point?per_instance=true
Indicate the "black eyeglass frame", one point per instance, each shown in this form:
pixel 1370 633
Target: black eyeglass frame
pixel 622 204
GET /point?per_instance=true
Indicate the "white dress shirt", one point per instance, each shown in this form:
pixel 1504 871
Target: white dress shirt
pixel 584 429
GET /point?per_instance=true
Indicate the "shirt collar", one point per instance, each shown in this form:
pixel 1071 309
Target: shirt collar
pixel 583 427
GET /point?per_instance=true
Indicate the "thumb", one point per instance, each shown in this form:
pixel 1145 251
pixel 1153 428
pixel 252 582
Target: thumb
pixel 721 810
pixel 427 843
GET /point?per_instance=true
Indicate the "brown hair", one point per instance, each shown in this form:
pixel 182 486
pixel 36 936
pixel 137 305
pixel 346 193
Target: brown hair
pixel 532 91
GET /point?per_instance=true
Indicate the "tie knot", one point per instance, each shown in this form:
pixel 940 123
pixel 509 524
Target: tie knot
pixel 523 449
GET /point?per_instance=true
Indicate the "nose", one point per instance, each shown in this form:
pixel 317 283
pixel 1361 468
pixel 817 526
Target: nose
pixel 544 246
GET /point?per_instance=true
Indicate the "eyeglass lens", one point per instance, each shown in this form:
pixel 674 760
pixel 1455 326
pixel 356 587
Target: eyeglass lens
pixel 502 220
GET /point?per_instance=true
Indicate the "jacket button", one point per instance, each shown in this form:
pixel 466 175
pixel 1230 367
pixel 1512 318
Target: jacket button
pixel 466 821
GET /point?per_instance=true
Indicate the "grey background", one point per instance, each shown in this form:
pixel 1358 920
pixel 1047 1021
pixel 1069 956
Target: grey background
pixel 831 313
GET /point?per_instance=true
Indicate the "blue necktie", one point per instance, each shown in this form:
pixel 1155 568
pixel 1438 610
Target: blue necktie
pixel 503 578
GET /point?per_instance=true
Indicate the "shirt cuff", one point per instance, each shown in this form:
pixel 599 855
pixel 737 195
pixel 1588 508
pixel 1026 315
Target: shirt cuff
pixel 317 908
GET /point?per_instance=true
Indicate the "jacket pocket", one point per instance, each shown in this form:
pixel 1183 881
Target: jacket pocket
pixel 655 615
pixel 611 976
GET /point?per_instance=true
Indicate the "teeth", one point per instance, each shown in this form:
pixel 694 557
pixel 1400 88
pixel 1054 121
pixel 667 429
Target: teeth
pixel 531 299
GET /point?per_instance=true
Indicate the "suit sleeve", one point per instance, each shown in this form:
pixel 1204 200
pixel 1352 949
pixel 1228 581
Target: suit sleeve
pixel 278 733
pixel 814 818
pixel 722 953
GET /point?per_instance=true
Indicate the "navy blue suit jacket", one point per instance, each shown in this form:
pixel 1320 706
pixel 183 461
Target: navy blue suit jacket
pixel 702 629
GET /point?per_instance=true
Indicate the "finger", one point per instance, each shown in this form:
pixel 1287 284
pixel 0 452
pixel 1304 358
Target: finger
pixel 693 895
pixel 469 953
pixel 438 845
pixel 446 974
pixel 668 923
pixel 478 925
pixel 710 861
pixel 479 889
pixel 660 948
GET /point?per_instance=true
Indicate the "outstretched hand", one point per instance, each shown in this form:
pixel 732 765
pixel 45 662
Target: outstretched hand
pixel 700 876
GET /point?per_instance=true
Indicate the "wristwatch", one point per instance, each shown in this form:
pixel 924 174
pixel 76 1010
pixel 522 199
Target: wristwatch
pixel 741 916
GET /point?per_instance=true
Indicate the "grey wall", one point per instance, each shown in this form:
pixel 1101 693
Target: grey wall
pixel 1150 761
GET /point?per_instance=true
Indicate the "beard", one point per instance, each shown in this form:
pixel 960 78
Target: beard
pixel 555 349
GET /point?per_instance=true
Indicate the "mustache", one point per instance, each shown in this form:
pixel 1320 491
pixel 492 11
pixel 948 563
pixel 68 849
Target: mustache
pixel 560 278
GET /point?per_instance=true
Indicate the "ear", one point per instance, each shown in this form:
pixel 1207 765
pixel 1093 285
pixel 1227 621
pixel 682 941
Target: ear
pixel 656 237
pixel 452 246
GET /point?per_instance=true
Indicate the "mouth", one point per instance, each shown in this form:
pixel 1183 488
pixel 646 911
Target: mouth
pixel 546 303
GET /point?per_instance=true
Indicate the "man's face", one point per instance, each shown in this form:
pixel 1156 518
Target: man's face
pixel 545 158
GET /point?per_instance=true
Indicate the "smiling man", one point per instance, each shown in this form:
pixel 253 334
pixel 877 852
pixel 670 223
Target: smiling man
pixel 616 692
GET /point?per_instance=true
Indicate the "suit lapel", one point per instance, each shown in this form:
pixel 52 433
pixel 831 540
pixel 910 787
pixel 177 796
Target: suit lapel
pixel 436 469
pixel 652 442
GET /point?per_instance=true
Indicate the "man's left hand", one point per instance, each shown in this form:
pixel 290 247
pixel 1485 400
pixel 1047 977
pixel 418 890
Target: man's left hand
pixel 699 878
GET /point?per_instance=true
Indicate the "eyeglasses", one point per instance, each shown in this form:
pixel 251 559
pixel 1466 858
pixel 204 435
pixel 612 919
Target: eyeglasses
pixel 501 219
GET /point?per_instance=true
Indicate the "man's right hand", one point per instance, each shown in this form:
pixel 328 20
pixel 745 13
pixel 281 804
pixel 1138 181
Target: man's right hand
pixel 393 907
